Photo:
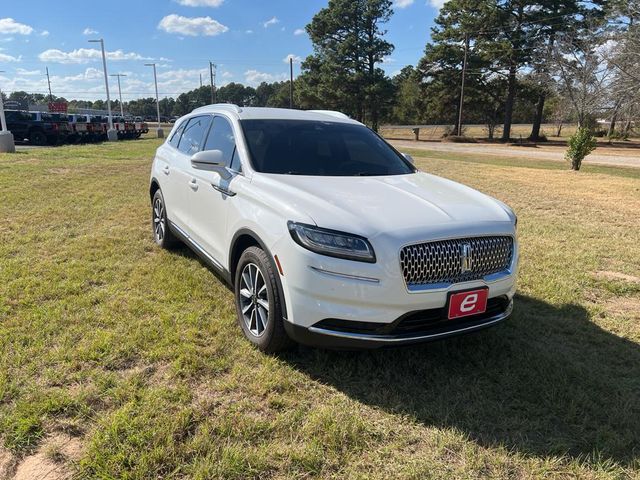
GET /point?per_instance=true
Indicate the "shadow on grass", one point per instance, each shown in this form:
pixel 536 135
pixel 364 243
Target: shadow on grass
pixel 547 382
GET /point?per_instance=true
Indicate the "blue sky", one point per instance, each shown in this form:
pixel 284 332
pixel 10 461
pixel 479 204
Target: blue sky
pixel 249 40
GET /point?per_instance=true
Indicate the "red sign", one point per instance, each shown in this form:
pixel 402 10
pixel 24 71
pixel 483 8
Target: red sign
pixel 467 303
pixel 58 107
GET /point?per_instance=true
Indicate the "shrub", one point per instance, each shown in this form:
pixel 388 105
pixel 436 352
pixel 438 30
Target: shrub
pixel 581 144
pixel 617 135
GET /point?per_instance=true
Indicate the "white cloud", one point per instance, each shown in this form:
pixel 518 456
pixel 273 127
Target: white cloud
pixel 270 22
pixel 192 26
pixel 27 73
pixel 388 60
pixel 437 4
pixel 89 31
pixel 255 78
pixel 8 58
pixel 9 25
pixel 402 3
pixel 248 32
pixel 200 3
pixel 299 31
pixel 85 55
pixel 227 74
pixel 44 33
pixel 92 73
pixel 295 58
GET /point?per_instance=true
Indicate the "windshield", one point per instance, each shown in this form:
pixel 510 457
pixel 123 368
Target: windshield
pixel 301 147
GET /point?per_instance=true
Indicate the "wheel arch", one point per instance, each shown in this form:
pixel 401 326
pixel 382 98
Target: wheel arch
pixel 243 239
pixel 154 186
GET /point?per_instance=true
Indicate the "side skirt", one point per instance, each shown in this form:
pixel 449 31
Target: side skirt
pixel 201 252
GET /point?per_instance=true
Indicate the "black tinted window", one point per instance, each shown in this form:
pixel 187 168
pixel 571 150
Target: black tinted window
pixel 299 147
pixel 221 138
pixel 193 135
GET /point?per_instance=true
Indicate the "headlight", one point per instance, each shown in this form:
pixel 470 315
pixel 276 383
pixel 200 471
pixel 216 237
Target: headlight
pixel 332 243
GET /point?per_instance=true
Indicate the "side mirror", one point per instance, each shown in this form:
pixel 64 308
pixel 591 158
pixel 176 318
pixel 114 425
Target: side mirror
pixel 210 161
pixel 409 158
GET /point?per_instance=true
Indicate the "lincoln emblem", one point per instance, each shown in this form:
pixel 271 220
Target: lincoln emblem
pixel 466 260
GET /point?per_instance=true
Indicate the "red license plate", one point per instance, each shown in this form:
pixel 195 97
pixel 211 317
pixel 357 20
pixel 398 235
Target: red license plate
pixel 471 302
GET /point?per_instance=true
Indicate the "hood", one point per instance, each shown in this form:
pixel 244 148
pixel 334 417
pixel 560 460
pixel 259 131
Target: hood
pixel 379 204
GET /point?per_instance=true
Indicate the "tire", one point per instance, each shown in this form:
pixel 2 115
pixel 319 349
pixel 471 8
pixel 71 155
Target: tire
pixel 259 309
pixel 36 137
pixel 162 234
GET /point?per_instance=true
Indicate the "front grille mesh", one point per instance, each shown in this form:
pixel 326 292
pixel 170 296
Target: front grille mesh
pixel 441 261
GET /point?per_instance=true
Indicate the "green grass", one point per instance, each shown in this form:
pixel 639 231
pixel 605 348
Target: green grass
pixel 134 351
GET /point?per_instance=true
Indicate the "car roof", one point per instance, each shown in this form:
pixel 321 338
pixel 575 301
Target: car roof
pixel 259 113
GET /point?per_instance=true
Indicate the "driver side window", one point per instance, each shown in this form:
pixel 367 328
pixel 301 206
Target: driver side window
pixel 221 138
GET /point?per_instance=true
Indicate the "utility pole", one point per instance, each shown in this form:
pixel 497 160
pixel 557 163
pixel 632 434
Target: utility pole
pixel 49 82
pixel 119 91
pixel 7 144
pixel 290 82
pixel 159 131
pixel 200 80
pixel 212 74
pixel 112 135
pixel 464 73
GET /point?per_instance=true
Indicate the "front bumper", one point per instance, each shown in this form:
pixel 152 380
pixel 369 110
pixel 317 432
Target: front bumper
pixel 321 292
pixel 329 334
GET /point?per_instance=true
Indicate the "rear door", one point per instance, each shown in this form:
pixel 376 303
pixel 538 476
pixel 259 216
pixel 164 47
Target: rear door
pixel 170 173
pixel 179 177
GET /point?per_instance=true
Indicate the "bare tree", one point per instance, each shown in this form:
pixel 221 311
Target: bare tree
pixel 584 73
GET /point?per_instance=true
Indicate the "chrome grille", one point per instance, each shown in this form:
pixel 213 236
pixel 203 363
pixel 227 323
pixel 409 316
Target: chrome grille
pixel 444 261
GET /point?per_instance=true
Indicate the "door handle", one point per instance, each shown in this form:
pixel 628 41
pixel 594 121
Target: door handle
pixel 224 191
pixel 193 184
pixel 166 170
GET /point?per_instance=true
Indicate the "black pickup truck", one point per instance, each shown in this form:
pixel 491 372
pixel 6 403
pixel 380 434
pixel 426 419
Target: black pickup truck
pixel 37 128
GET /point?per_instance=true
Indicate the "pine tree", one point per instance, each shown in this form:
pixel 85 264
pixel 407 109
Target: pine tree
pixel 343 73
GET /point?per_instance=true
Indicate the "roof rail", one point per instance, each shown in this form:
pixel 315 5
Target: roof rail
pixel 226 106
pixel 332 113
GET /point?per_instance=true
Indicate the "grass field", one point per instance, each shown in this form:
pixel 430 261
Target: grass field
pixel 435 132
pixel 519 131
pixel 119 360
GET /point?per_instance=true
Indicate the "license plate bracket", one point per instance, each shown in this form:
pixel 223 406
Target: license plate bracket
pixel 467 302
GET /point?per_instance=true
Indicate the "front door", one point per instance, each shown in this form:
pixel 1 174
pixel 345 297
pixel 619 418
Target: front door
pixel 212 194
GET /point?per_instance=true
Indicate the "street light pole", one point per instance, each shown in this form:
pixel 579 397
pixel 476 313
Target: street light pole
pixel 112 135
pixel 119 91
pixel 6 137
pixel 159 131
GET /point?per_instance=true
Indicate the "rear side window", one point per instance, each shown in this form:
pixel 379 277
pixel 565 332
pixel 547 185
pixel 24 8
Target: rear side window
pixel 175 138
pixel 193 135
pixel 221 138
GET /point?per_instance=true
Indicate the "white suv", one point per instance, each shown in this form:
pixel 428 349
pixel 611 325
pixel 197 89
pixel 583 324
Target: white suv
pixel 328 235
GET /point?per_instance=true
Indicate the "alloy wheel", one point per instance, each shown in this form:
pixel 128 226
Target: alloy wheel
pixel 158 219
pixel 254 300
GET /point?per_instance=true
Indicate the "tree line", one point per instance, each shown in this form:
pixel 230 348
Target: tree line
pixel 523 62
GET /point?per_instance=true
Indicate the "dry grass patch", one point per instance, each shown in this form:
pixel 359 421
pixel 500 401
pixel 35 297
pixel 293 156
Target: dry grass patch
pixel 135 352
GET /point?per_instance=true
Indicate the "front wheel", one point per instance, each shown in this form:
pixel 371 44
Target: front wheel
pixel 258 302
